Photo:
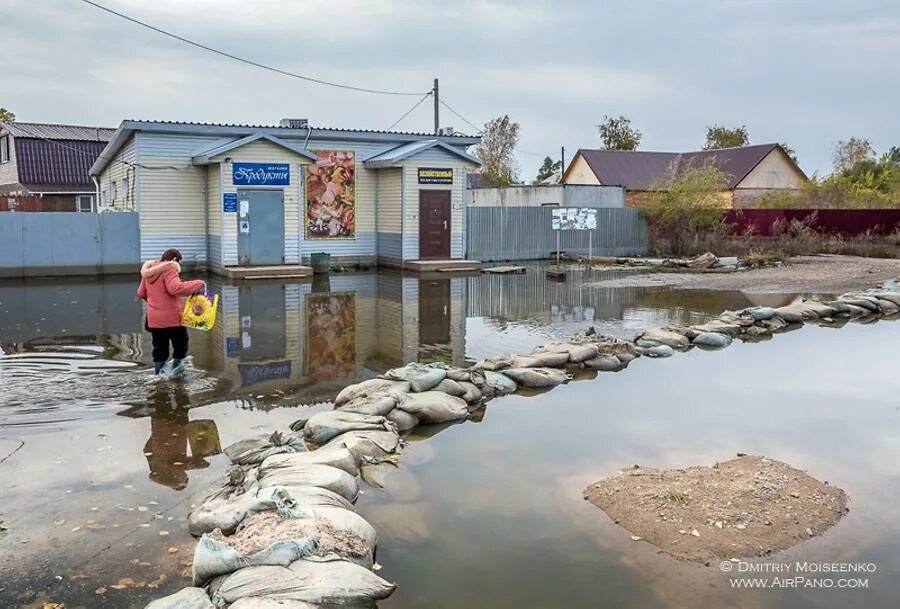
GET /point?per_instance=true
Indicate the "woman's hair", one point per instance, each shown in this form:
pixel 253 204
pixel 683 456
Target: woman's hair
pixel 171 254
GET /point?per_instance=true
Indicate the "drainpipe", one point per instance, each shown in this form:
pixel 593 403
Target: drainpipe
pixel 97 195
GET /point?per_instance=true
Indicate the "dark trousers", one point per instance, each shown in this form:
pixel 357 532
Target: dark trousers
pixel 178 336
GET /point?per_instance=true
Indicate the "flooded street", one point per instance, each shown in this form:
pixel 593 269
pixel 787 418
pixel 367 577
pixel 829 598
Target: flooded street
pixel 101 463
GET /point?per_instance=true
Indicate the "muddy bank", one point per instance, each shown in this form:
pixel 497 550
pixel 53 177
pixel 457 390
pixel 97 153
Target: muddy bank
pixel 743 508
pixel 824 274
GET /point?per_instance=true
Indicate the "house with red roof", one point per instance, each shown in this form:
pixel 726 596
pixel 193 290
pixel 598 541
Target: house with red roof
pixel 751 171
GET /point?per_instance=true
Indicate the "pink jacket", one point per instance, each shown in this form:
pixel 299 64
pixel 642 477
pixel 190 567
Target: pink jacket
pixel 162 288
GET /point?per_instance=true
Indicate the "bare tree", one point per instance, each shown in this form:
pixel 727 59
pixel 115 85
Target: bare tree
pixel 618 134
pixel 848 153
pixel 496 151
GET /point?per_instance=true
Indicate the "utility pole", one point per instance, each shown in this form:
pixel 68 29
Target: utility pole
pixel 437 108
pixel 562 168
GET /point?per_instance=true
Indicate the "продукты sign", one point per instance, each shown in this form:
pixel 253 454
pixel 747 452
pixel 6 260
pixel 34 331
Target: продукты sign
pixel 261 174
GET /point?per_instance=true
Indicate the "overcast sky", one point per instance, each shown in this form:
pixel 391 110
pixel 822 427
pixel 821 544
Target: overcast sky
pixel 803 72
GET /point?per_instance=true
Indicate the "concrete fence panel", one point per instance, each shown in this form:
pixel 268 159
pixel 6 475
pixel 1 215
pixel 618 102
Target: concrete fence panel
pixel 525 233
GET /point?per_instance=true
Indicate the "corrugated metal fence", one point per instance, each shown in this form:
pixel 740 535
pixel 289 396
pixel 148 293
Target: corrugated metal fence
pixel 68 243
pixel 524 233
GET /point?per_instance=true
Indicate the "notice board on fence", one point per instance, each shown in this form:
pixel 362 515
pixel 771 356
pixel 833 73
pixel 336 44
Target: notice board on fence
pixel 573 218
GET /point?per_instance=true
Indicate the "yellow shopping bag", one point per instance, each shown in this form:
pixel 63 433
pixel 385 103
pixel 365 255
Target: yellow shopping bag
pixel 200 311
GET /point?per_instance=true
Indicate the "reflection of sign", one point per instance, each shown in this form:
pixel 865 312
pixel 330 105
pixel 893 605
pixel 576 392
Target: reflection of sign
pixel 573 218
pixel 245 227
pixel 252 374
pixel 435 175
pixel 261 174
pixel 331 195
pixel 331 336
pixel 229 201
pixel 232 346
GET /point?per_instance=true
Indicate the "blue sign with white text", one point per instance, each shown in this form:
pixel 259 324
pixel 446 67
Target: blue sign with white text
pixel 261 174
pixel 229 201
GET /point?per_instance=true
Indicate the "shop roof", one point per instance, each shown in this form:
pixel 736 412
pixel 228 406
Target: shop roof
pixel 129 127
pixel 203 157
pixel 391 157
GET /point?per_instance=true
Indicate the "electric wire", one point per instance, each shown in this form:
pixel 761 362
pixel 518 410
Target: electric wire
pixel 408 112
pixel 463 118
pixel 243 59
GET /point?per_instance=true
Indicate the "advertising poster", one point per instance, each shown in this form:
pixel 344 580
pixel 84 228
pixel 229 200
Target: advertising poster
pixel 331 336
pixel 331 195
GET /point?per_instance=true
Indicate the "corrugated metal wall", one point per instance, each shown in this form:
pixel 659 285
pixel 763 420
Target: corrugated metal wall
pixel 525 233
pixel 68 243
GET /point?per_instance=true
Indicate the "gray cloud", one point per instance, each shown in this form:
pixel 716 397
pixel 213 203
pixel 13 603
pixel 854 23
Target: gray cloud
pixel 805 72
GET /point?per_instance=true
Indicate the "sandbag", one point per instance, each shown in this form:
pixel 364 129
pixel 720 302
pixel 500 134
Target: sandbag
pixel 712 340
pixel 336 582
pixel 577 352
pixel 795 313
pixel 658 351
pixel 469 375
pixel 658 336
pixel 450 387
pixel 213 557
pixel 821 310
pixel 371 445
pixel 716 325
pixel 371 388
pixel 893 297
pixel 760 313
pixel 263 602
pixel 472 393
pixel 549 359
pixel 403 420
pixel 605 363
pixel 499 383
pixel 498 362
pixel 860 301
pixel 335 457
pixel 419 376
pixel 304 496
pixel 323 426
pixel 224 512
pixel 537 378
pixel 434 406
pixel 187 598
pixel 255 449
pixel 323 476
pixel 374 405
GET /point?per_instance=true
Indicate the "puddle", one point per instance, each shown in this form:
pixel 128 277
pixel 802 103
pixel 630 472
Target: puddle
pixel 96 498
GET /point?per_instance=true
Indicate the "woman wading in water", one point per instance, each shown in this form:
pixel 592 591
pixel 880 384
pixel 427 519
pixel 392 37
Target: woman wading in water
pixel 162 288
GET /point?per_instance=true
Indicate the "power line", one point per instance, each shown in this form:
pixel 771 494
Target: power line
pixel 242 59
pixel 464 119
pixel 408 112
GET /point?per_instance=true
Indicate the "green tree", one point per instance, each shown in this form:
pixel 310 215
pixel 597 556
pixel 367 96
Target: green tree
pixel 893 156
pixel 6 116
pixel 850 152
pixel 687 205
pixel 618 134
pixel 497 151
pixel 719 136
pixel 789 151
pixel 547 170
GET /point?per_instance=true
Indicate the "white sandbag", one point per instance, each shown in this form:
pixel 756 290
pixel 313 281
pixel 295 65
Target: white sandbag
pixel 371 388
pixel 370 445
pixel 796 312
pixel 550 359
pixel 336 582
pixel 760 313
pixel 469 375
pixel 434 407
pixel 349 521
pixel 335 457
pixel 893 297
pixel 604 363
pixel 264 602
pixel 716 325
pixel 821 310
pixel 323 426
pixel 213 557
pixel 323 476
pixel 472 393
pixel 577 352
pixel 627 356
pixel 419 376
pixel 253 450
pixel 187 598
pixel 305 496
pixel 712 340
pixel 376 405
pixel 658 351
pixel 224 512
pixel 499 384
pixel 450 387
pixel 403 420
pixel 498 362
pixel 659 336
pixel 860 300
pixel 537 378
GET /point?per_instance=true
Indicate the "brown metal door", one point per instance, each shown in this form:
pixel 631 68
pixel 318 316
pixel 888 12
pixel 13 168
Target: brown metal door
pixel 434 224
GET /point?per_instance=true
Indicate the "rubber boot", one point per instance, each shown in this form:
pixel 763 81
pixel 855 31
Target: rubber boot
pixel 158 367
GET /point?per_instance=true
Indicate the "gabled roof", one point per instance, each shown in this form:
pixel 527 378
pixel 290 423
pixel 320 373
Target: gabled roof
pixel 644 170
pixel 59 132
pixel 203 157
pixel 393 156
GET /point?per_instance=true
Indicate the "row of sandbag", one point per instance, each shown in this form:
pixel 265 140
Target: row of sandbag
pixel 755 323
pixel 282 530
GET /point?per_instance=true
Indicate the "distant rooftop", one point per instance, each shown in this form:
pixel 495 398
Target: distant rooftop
pixel 54 131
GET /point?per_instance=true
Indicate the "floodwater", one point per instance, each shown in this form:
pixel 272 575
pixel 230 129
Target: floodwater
pixel 100 463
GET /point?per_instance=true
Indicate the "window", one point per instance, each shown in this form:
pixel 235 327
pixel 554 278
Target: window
pixel 112 192
pixel 85 203
pixel 4 149
pixel 124 189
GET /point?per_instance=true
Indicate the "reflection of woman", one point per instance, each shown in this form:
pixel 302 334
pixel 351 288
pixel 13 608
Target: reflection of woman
pixel 166 449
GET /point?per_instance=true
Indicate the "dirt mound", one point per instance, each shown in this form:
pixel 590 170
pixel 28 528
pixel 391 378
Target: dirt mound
pixel 746 507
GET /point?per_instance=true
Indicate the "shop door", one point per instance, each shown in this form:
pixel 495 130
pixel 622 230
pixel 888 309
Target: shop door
pixel 434 224
pixel 260 227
